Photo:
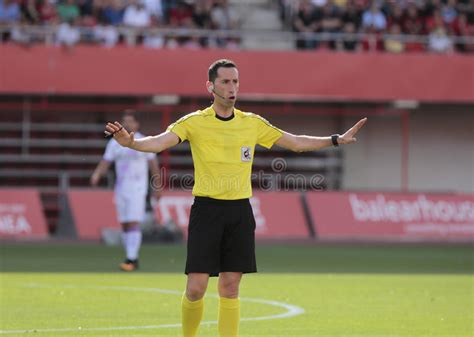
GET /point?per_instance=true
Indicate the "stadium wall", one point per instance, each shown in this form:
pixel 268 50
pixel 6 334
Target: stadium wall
pixel 440 157
pixel 282 75
pixel 370 216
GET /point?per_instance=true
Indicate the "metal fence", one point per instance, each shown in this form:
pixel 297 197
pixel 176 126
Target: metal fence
pixel 132 36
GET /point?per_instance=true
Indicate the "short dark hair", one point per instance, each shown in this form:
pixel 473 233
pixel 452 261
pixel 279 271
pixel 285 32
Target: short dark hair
pixel 222 63
pixel 130 113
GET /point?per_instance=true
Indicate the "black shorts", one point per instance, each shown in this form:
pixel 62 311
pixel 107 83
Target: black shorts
pixel 221 237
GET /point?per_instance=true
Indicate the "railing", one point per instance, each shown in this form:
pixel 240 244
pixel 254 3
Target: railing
pixel 47 34
pixel 63 177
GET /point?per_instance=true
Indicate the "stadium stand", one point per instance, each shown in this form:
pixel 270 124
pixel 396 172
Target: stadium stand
pixel 345 25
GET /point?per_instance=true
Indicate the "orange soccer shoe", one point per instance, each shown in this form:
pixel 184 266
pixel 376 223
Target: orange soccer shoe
pixel 129 265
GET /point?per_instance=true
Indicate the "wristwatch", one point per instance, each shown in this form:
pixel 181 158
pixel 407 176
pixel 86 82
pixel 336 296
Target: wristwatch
pixel 334 140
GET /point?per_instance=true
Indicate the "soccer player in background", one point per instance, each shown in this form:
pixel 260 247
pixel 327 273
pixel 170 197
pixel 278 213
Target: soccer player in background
pixel 131 187
pixel 221 232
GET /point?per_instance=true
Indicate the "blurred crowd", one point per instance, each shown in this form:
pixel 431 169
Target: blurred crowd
pixel 101 20
pixel 438 20
pixel 374 25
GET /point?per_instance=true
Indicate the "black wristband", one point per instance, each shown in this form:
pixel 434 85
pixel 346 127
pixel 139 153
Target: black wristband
pixel 334 140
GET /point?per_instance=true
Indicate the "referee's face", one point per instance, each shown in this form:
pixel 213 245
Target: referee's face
pixel 226 85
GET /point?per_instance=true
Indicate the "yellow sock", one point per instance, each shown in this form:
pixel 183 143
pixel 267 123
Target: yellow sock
pixel 191 315
pixel 229 317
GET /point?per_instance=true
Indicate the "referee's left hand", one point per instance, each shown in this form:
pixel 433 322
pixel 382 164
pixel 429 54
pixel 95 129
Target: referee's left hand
pixel 348 137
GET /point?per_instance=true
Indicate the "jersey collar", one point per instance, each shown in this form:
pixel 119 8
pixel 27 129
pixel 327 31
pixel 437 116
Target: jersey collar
pixel 225 119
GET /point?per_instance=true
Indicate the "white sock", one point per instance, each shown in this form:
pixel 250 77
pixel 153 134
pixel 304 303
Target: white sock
pixel 132 241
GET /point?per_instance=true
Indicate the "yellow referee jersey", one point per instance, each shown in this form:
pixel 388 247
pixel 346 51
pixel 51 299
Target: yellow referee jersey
pixel 223 150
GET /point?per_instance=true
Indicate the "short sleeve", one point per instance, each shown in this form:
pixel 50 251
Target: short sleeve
pixel 181 128
pixel 267 133
pixel 110 152
pixel 150 155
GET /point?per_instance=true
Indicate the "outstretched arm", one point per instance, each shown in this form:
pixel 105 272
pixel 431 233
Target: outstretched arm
pixel 155 144
pixel 309 143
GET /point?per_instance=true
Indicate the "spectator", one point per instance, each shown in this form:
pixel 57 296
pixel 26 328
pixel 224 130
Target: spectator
pixel 109 14
pixel 373 40
pixel 431 7
pixel 449 12
pixel 9 11
pixel 413 25
pixel 20 34
pixel 68 11
pixel 434 21
pixel 351 14
pixel 202 18
pixel 86 7
pixel 350 43
pixel 98 8
pixel 29 11
pixel 467 7
pixel 136 15
pixel 331 21
pixel 155 8
pixel 181 16
pixel 341 3
pixel 439 41
pixel 201 15
pixel 9 14
pixel 108 36
pixel 68 34
pixel 225 18
pixel 306 22
pixel 373 18
pixel 153 40
pixel 393 43
pixel 113 13
pixel 319 3
pixel 462 27
pixel 88 24
pixel 396 15
pixel 48 12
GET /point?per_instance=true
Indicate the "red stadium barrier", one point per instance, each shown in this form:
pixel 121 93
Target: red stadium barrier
pixel 92 211
pixel 280 75
pixel 393 216
pixel 21 214
pixel 277 215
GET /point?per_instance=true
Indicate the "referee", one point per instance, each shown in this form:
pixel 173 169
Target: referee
pixel 221 232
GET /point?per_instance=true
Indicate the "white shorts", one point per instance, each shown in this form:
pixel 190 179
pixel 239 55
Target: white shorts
pixel 130 207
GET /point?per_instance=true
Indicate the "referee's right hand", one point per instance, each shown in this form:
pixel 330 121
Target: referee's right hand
pixel 120 134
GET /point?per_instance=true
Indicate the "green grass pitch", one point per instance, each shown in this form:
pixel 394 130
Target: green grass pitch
pixel 301 290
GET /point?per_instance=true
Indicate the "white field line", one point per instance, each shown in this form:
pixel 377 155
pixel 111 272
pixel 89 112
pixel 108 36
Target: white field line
pixel 290 310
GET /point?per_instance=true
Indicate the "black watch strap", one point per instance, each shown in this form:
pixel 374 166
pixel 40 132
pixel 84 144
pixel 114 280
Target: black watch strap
pixel 334 140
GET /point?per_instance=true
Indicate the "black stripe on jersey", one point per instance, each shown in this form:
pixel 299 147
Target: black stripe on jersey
pixel 263 120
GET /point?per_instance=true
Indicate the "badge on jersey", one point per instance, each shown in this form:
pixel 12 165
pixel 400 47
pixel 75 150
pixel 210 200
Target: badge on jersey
pixel 246 153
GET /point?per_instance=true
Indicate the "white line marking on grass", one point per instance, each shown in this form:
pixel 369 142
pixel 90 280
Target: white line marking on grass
pixel 291 310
